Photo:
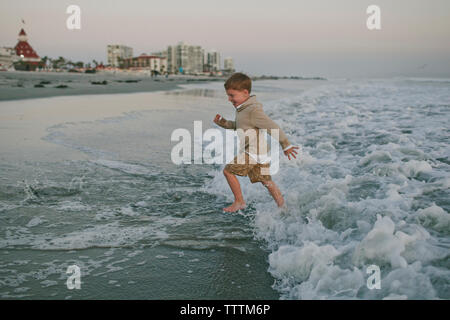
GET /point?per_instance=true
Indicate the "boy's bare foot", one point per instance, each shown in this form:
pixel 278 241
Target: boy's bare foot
pixel 283 210
pixel 235 207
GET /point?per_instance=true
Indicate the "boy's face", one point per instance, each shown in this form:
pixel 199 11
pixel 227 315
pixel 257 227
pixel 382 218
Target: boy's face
pixel 237 97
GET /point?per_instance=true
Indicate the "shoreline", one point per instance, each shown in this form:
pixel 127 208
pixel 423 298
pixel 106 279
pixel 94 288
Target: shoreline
pixel 16 85
pixel 25 122
pixel 22 85
pixel 98 164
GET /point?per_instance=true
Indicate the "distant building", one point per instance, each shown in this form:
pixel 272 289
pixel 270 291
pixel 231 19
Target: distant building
pixel 195 59
pixel 171 59
pixel 213 61
pixel 184 58
pixel 162 54
pixel 118 52
pixel 7 57
pixel 228 65
pixel 155 64
pixel 28 58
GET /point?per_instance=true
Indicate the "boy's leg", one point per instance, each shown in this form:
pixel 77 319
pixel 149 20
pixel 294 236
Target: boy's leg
pixel 275 192
pixel 239 202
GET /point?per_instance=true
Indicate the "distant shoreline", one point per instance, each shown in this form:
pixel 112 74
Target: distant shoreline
pixel 30 85
pixel 18 85
pixel 286 78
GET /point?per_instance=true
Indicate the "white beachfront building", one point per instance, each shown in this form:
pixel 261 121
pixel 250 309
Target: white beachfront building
pixel 185 58
pixel 228 64
pixel 213 61
pixel 146 62
pixel 7 57
pixel 118 52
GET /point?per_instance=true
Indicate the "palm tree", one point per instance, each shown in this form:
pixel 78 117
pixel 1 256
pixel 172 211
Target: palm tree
pixel 53 63
pixel 44 60
pixel 58 63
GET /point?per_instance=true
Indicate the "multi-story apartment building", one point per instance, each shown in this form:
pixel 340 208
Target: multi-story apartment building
pixel 212 61
pixel 184 58
pixel 146 62
pixel 117 52
pixel 228 65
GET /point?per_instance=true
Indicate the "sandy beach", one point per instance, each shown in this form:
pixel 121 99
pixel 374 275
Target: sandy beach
pixel 58 155
pixel 16 85
pixel 25 123
pixel 88 180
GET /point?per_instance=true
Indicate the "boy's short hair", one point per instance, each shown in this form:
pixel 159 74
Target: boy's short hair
pixel 239 81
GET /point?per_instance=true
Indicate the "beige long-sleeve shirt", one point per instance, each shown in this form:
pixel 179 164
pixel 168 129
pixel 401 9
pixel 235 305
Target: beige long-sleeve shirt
pixel 250 115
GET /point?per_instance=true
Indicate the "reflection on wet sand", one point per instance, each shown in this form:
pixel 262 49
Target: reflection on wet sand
pixel 198 92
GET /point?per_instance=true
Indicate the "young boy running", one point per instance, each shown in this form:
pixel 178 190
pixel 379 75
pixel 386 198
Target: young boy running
pixel 254 164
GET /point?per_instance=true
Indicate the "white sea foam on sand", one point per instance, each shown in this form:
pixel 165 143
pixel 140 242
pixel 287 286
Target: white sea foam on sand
pixel 367 188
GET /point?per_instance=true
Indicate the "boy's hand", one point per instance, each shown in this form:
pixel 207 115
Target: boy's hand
pixel 290 152
pixel 217 119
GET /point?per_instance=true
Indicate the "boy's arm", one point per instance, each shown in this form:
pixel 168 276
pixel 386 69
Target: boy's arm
pixel 262 121
pixel 226 124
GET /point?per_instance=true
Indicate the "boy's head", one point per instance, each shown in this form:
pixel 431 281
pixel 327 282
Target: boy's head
pixel 238 88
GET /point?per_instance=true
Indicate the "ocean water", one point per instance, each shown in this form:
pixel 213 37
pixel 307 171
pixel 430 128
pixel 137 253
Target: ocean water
pixel 370 186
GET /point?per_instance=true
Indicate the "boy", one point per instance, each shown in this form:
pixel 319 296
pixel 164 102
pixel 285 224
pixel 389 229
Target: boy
pixel 250 115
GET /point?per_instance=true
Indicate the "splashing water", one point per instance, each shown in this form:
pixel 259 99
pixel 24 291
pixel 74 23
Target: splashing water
pixel 371 186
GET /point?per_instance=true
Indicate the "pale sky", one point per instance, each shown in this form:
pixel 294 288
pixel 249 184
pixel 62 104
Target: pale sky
pixel 285 37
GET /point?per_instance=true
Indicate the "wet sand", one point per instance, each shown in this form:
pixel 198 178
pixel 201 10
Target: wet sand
pixel 16 85
pixel 24 123
pixel 135 239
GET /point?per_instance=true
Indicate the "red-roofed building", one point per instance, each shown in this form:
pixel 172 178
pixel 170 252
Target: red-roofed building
pixel 155 64
pixel 28 58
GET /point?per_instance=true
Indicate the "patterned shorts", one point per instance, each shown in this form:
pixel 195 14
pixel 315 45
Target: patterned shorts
pixel 250 169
